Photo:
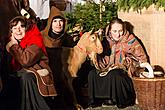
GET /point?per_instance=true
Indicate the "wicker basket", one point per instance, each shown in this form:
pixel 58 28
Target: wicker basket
pixel 150 93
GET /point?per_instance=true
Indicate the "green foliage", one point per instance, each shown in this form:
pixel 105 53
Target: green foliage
pixel 138 4
pixel 88 15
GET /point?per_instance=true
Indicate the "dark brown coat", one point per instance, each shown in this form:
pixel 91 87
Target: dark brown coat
pixel 33 59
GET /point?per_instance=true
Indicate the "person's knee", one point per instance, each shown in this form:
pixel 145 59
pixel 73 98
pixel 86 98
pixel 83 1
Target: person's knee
pixel 117 73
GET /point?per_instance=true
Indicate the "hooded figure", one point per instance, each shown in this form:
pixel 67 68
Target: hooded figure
pixel 55 37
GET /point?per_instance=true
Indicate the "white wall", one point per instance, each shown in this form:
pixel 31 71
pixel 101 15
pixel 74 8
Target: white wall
pixel 71 4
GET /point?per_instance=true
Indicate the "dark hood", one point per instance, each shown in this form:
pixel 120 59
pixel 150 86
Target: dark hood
pixel 54 12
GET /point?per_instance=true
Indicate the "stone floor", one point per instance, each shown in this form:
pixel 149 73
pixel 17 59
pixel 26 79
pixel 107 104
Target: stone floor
pixel 135 107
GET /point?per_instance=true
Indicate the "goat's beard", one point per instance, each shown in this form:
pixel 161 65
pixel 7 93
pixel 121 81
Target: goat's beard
pixel 93 58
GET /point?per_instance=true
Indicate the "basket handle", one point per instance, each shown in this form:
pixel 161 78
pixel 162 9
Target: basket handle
pixel 149 74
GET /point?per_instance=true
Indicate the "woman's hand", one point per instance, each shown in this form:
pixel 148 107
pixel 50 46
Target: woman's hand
pixel 12 38
pixel 12 42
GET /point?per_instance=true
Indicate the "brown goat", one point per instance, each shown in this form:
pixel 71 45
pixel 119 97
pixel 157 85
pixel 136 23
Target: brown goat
pixel 72 59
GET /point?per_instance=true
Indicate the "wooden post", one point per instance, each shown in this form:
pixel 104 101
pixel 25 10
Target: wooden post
pixel 101 18
pixel 101 11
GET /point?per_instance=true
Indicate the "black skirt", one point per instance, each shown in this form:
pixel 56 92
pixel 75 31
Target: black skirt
pixel 116 86
pixel 31 99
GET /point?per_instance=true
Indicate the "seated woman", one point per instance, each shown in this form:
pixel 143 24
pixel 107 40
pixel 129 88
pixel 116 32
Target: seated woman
pixel 30 62
pixel 111 83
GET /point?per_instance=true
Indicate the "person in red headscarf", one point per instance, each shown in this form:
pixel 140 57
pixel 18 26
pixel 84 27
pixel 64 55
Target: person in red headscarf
pixel 30 62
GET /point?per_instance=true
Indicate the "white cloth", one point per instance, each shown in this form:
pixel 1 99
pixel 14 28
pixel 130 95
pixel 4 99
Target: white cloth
pixel 150 73
pixel 41 8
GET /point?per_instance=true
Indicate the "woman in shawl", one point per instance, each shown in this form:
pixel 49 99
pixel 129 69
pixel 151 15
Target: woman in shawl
pixel 30 62
pixel 111 83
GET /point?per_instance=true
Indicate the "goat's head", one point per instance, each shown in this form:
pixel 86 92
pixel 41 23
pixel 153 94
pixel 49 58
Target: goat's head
pixel 91 44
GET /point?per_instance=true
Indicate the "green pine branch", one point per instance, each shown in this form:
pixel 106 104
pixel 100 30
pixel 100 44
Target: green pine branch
pixel 125 5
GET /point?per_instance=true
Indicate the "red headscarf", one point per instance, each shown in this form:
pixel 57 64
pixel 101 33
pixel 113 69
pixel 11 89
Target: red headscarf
pixel 33 36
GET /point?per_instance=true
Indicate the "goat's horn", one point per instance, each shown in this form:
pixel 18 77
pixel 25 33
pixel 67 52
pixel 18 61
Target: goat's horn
pixel 91 31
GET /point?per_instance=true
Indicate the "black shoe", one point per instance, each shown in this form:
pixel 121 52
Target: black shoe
pixel 107 103
pixel 124 106
pixel 93 105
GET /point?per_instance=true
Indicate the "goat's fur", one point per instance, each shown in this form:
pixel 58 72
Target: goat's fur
pixel 72 59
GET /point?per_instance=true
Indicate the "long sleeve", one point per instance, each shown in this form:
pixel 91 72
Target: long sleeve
pixel 137 50
pixel 134 55
pixel 28 56
pixel 103 59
